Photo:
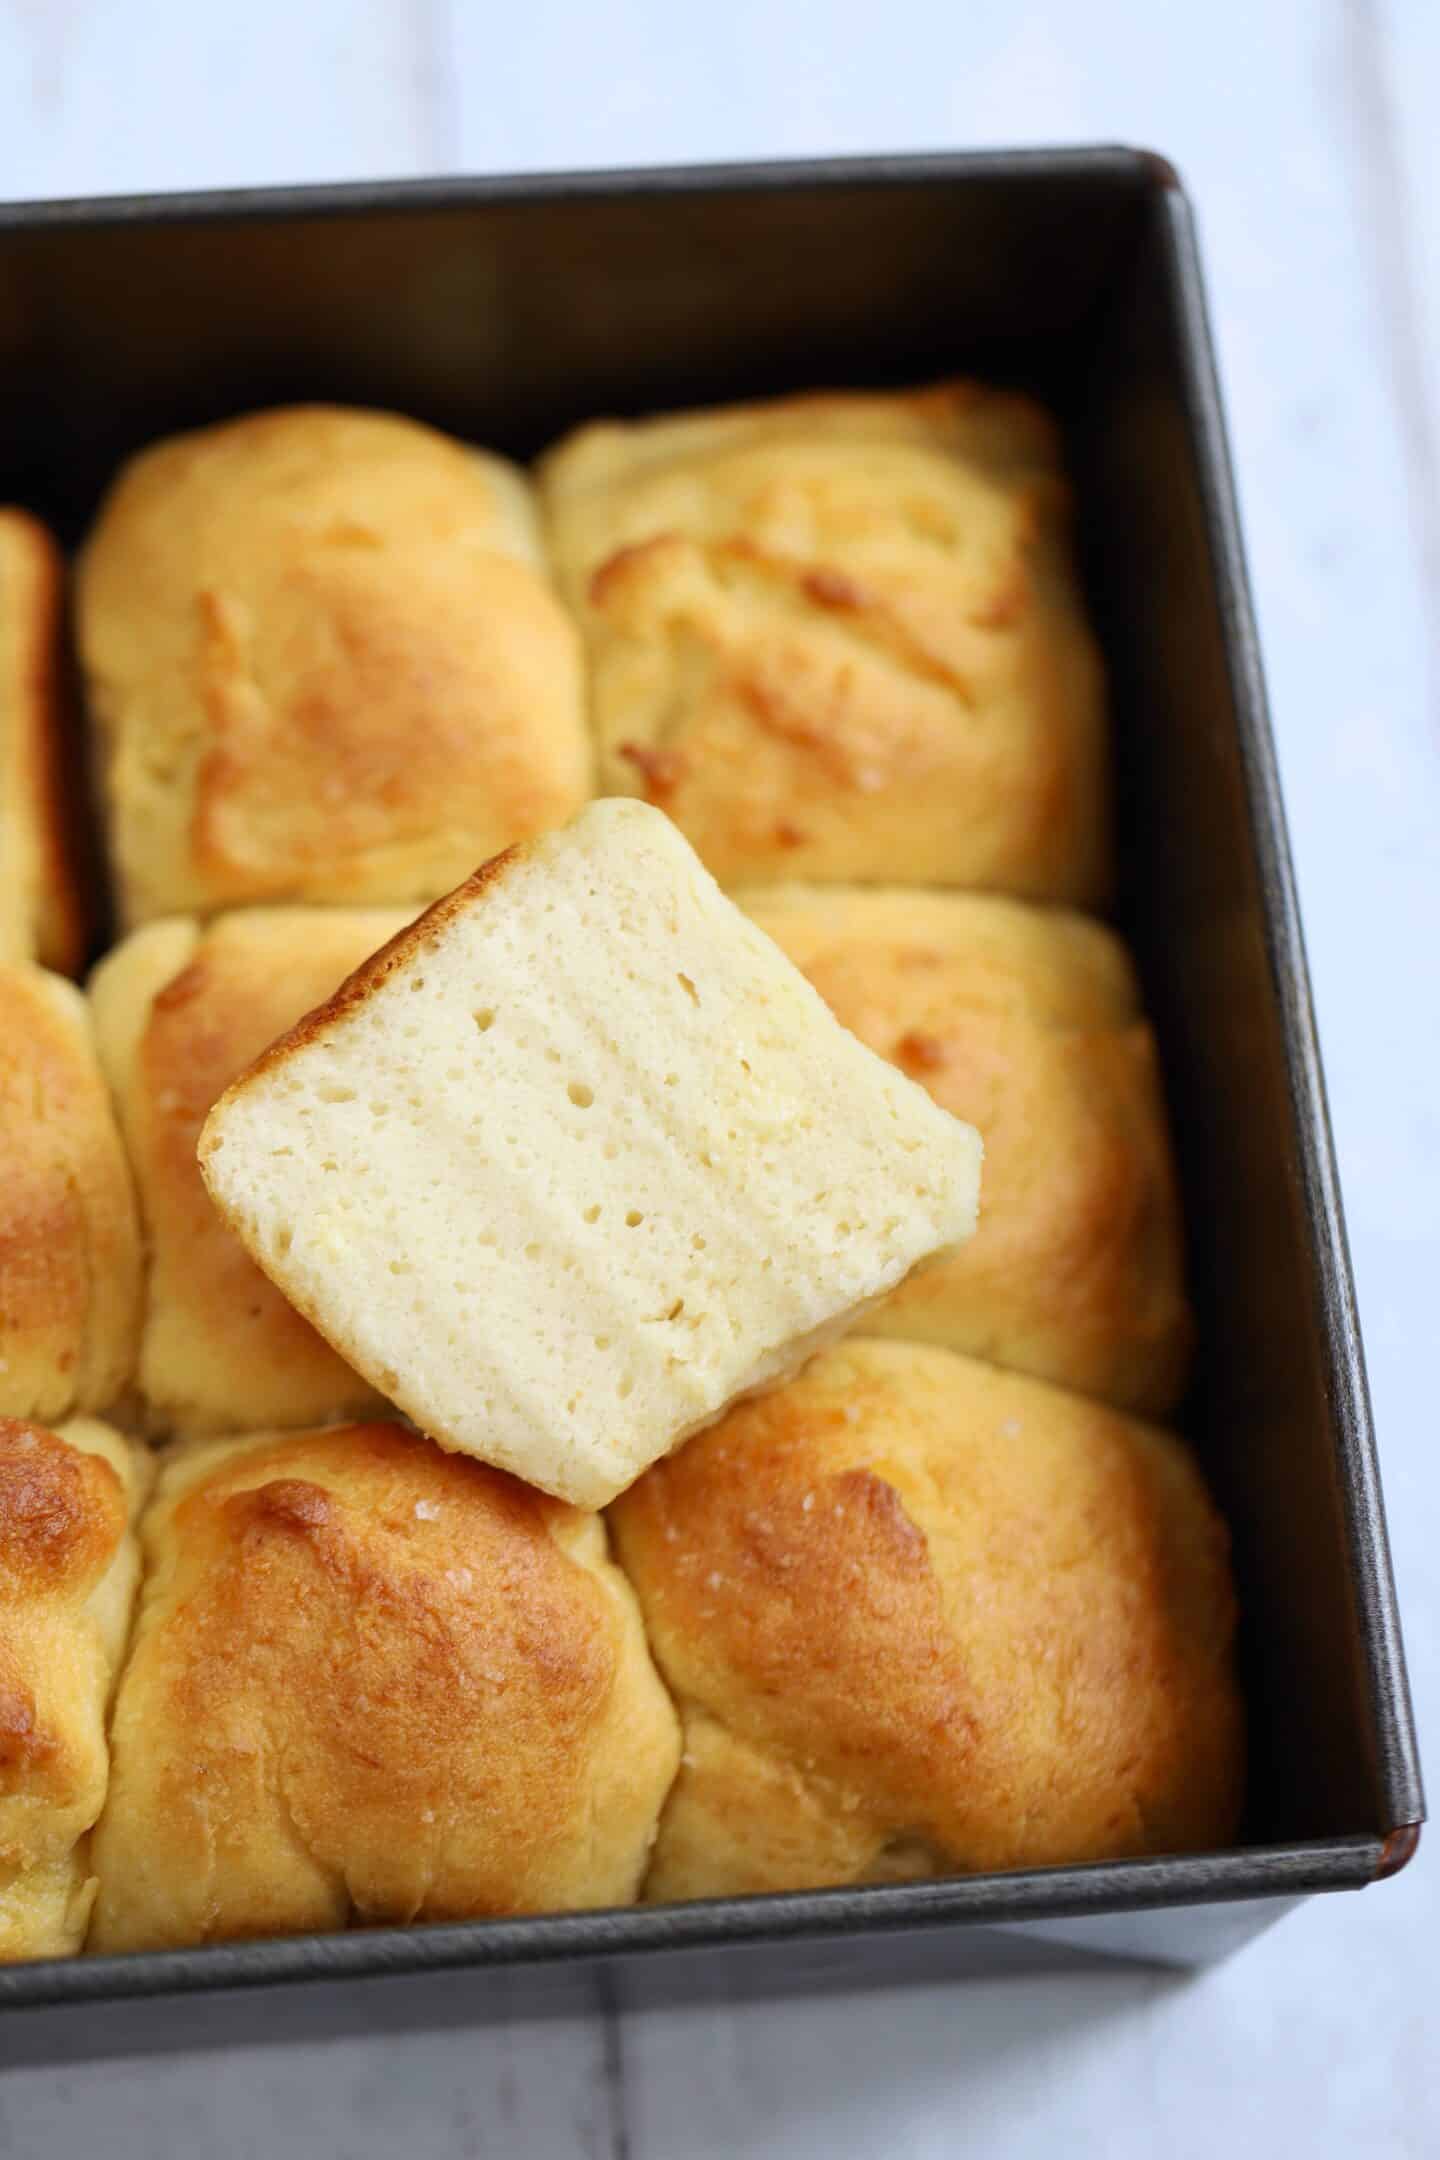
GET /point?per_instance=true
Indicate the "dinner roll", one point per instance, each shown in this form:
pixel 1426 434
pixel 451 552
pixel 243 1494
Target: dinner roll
pixel 373 1682
pixel 326 664
pixel 68 1570
pixel 1027 1022
pixel 580 1157
pixel 69 1245
pixel 925 1616
pixel 42 916
pixel 841 637
pixel 180 1009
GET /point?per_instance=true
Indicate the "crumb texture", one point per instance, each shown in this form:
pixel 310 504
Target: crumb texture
pixel 580 1158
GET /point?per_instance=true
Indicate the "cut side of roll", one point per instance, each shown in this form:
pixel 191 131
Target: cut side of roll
pixel 180 1008
pixel 580 1157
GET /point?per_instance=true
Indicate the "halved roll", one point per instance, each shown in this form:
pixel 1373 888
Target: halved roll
pixel 579 1157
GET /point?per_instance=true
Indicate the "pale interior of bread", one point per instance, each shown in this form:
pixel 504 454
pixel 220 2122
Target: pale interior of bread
pixel 589 1162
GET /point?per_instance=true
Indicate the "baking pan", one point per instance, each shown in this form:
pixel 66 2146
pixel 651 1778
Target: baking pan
pixel 508 310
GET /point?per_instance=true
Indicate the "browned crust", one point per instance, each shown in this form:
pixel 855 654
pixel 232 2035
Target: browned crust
pixel 180 1011
pixel 421 935
pixel 440 1687
pixel 958 1607
pixel 69 1242
pixel 60 917
pixel 328 662
pixel 63 1511
pixel 825 667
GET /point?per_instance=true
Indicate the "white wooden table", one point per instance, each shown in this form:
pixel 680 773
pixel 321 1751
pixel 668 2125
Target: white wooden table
pixel 1306 130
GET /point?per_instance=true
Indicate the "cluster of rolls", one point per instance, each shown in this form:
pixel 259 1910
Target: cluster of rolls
pixel 948 1600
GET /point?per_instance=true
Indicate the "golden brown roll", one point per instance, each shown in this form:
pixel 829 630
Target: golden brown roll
pixel 69 1243
pixel 42 916
pixel 373 1682
pixel 841 637
pixel 69 1565
pixel 180 1009
pixel 921 1617
pixel 326 664
pixel 1026 1022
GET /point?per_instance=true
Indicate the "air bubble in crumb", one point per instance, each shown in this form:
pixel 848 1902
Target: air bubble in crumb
pixel 284 1239
pixel 688 987
pixel 626 1387
pixel 389 1380
pixel 484 1019
pixel 634 1219
pixel 580 1095
pixel 592 1214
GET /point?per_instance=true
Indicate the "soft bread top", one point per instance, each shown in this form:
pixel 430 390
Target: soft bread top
pixel 42 916
pixel 325 662
pixel 579 1157
pixel 841 637
pixel 181 1008
pixel 373 1682
pixel 1027 1022
pixel 923 1616
pixel 68 1571
pixel 69 1243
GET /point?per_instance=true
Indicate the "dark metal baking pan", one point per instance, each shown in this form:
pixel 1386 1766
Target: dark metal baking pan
pixel 507 310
